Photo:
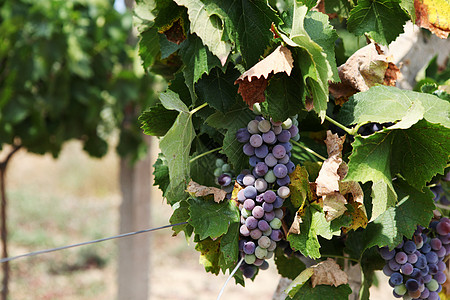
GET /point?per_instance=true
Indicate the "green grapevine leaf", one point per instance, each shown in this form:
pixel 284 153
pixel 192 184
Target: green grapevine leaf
pixel 161 174
pixel 340 7
pixel 313 224
pixel 209 254
pixel 383 197
pixel 149 47
pixel 388 104
pixel 197 60
pixel 285 95
pixel 229 247
pixel 233 150
pixel 218 89
pixel 318 27
pixel 289 267
pixel 417 153
pixel 208 25
pixel 211 219
pixel 157 120
pixel 202 170
pixel 237 117
pixel 300 190
pixel 383 20
pixel 322 292
pixel 414 208
pixel 179 215
pixel 172 101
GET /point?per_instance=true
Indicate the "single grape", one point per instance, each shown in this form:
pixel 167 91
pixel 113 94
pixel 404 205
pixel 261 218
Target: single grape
pixel 261 169
pixel 296 138
pixel 249 271
pixel 262 151
pixel 269 254
pixel 240 179
pixel 280 171
pixel 441 266
pixel 275 123
pixel 249 258
pixel 421 262
pixel 433 285
pixel 256 140
pixel 435 244
pixel 407 269
pixel 432 257
pixel 260 252
pixel 284 181
pixel 287 146
pixel 269 137
pixel 427 278
pixel 260 185
pixel 279 213
pixel 395 294
pixel 284 160
pixel 415 273
pixel 276 235
pixel 432 269
pixel 242 136
pixel 250 192
pixel 394 265
pixel 257 212
pixel 269 216
pixel 253 160
pixel 386 254
pixel 400 289
pixel 401 257
pixel 252 127
pixel 412 258
pixel 270 160
pixel 248 149
pixel 243 230
pixel 409 247
pixel 290 166
pixel 270 177
pixel 267 232
pixel 258 262
pixel 263 225
pixel 425 294
pixel 425 248
pixel 283 192
pixel 267 207
pixel 270 196
pixel 278 202
pixel 224 180
pixel 424 271
pixel 279 151
pixel 273 246
pixel 440 277
pixel 411 285
pixel 275 223
pixel 251 223
pixel 400 246
pixel 249 247
pixel 396 278
pixel 443 228
pixel 264 125
pixel 293 130
pixel 255 233
pixel 249 204
pixel 387 271
pixel 415 294
pixel 284 136
pixel 277 129
pixel 287 124
pixel 264 266
pixel 249 179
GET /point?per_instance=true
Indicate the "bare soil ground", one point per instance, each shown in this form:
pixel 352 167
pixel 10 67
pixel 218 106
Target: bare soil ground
pixel 76 198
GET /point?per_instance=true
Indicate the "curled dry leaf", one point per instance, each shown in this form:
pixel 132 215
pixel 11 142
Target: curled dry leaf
pixel 334 206
pixel 433 15
pixel 175 33
pixel 328 179
pixel 328 272
pixel 199 190
pixel 253 82
pixel 367 67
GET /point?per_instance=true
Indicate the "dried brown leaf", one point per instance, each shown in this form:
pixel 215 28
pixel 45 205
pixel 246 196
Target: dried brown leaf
pixel 334 206
pixel 199 190
pixel 328 272
pixel 433 15
pixel 253 82
pixel 175 33
pixel 367 67
pixel 328 179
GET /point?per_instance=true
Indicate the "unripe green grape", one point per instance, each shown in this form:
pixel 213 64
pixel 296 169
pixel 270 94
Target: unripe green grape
pixel 249 258
pixel 218 172
pixel 273 246
pixel 267 232
pixel 269 254
pixel 433 285
pixel 260 252
pixel 296 137
pixel 264 125
pixel 400 289
pixel 264 242
pixel 219 162
pixel 270 177
pixel 257 109
pixel 226 168
pixel 295 122
pixel 287 124
pixel 275 223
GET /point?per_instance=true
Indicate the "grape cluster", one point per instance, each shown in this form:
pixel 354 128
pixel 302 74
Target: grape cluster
pixel 441 190
pixel 265 188
pixel 224 176
pixel 416 266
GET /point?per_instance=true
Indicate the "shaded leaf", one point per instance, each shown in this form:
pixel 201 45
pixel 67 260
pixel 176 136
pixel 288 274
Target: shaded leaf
pixel 179 215
pixel 289 267
pixel 328 272
pixel 161 174
pixel 229 247
pixel 157 120
pixel 322 292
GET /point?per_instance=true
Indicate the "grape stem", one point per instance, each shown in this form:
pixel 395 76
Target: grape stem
pixel 340 256
pixel 440 206
pixel 205 153
pixel 198 108
pixel 348 130
pixel 308 149
pixel 229 277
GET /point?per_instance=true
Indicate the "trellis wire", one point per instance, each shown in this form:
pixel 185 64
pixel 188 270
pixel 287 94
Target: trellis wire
pixel 3 260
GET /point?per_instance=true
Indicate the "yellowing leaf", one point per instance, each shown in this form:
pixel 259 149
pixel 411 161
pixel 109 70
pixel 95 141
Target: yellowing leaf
pixel 236 189
pixel 300 189
pixel 299 281
pixel 433 15
pixel 358 215
pixel 198 190
pixel 253 82
pixel 367 67
pixel 329 273
pixel 328 179
pixel 334 206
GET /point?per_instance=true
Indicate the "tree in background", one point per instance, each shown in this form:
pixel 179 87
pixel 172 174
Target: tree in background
pixel 66 72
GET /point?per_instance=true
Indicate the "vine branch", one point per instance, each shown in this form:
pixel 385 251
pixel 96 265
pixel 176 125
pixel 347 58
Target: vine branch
pixel 204 154
pixel 346 129
pixel 198 108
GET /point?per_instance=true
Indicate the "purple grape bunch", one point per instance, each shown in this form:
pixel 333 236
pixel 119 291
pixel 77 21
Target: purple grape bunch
pixel 416 266
pixel 265 187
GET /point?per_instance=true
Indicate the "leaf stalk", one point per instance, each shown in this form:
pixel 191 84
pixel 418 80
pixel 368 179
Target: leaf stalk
pixel 198 108
pixel 309 150
pixel 347 130
pixel 205 153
